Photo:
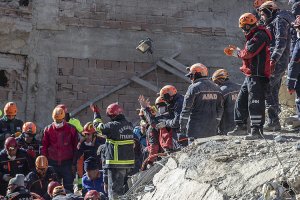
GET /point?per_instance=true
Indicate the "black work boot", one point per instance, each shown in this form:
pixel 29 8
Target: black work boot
pixel 239 130
pixel 256 133
pixel 272 126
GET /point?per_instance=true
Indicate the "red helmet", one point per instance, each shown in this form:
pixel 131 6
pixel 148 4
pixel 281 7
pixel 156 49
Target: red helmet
pixel 114 110
pixel 63 106
pixel 51 187
pixel 10 142
pixel 92 194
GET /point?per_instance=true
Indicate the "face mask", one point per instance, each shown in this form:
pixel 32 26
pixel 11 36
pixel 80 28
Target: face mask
pixel 58 125
pixel 88 143
pixel 298 34
pixel 11 158
pixel 161 110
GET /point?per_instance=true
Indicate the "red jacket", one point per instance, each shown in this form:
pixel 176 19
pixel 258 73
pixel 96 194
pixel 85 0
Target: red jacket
pixel 60 144
pixel 256 54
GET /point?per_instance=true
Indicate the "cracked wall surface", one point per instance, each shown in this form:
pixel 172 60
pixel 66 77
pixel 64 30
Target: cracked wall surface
pixel 75 50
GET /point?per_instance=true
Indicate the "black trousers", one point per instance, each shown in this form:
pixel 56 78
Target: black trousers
pixel 117 178
pixel 251 102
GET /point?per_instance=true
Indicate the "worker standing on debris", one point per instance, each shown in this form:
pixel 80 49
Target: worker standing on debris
pixel 203 105
pixel 9 124
pixel 119 152
pixel 174 102
pixel 230 91
pixel 293 79
pixel 278 23
pixel 59 146
pixel 256 67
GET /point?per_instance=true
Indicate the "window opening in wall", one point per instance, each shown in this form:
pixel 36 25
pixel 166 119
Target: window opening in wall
pixel 3 79
pixel 23 2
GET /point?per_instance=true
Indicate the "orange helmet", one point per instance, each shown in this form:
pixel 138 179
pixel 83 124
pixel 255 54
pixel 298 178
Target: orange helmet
pixel 220 75
pixel 41 162
pixel 10 109
pixel 159 100
pixel 63 106
pixel 88 128
pixel 58 114
pixel 197 68
pixel 168 89
pixel 269 5
pixel 247 19
pixel 258 3
pixel 29 127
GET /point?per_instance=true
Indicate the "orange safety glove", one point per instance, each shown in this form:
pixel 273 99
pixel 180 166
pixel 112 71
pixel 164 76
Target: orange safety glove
pixel 231 50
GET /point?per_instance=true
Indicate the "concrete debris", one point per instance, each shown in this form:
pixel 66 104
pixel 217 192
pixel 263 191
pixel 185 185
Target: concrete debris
pixel 218 168
pixel 280 139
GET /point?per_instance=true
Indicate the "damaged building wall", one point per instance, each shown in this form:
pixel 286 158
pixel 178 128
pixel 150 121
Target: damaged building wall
pixel 79 49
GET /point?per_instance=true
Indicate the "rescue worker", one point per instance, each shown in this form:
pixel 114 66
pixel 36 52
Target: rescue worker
pixel 295 11
pixel 88 147
pixel 37 180
pixel 59 146
pixel 13 161
pixel 293 79
pixel 256 5
pixel 94 195
pixel 16 189
pixel 27 140
pixel 203 105
pixel 71 120
pixel 174 102
pixel 256 67
pixel 278 23
pixel 9 124
pixel 51 187
pixel 93 178
pixel 119 152
pixel 230 91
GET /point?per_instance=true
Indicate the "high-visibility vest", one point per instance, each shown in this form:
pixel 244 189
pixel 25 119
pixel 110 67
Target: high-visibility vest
pixel 116 145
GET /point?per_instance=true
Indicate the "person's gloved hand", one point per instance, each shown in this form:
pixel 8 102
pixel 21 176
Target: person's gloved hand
pixel 161 125
pixel 6 177
pixel 231 50
pixel 272 66
pixel 94 108
pixel 292 91
pixel 31 153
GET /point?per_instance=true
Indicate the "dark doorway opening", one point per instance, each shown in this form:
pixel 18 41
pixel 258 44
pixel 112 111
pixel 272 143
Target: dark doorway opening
pixel 3 79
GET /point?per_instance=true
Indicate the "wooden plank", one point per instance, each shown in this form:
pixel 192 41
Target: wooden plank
pixel 102 96
pixel 174 63
pixel 173 71
pixel 175 55
pixel 145 83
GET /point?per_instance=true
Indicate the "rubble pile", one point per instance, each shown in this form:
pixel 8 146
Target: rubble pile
pixel 223 167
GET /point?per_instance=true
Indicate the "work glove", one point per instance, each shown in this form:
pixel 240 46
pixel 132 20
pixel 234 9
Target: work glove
pixel 161 125
pixel 31 153
pixel 292 91
pixel 6 177
pixel 232 50
pixel 272 66
pixel 94 108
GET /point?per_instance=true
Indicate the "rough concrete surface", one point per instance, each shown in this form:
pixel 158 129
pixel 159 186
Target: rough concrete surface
pixel 224 167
